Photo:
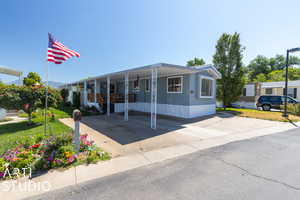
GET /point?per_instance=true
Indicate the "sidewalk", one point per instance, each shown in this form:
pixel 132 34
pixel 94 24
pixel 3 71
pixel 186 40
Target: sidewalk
pixel 15 119
pixel 75 175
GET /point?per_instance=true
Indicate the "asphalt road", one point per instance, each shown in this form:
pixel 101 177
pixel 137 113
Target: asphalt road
pixel 262 168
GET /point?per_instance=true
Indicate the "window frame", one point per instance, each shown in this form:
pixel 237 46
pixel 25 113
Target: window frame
pixel 269 89
pixel 181 88
pixel 212 87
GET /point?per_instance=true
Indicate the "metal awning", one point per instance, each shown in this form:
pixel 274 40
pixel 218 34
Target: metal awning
pixel 164 70
pixel 8 71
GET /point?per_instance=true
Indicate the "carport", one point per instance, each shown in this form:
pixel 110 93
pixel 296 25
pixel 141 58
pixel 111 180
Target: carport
pixel 152 72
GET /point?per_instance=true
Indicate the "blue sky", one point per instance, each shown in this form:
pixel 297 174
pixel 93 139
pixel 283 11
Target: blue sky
pixel 116 35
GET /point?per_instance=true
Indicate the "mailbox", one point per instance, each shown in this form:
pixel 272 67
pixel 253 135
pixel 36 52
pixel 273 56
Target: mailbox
pixel 77 115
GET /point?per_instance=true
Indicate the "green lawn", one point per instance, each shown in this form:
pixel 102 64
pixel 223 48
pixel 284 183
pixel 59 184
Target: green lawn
pixel 13 134
pixel 259 114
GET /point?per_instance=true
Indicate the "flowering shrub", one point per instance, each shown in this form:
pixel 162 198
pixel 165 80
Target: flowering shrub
pixel 51 152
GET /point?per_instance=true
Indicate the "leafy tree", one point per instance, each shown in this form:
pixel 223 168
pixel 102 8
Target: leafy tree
pixel 277 62
pixel 294 73
pixel 228 60
pixel 27 99
pixel 294 60
pixel 272 67
pixel 260 78
pixel 32 78
pixel 276 75
pixel 259 65
pixel 196 62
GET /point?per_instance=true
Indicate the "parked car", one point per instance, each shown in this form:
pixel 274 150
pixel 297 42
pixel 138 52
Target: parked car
pixel 267 102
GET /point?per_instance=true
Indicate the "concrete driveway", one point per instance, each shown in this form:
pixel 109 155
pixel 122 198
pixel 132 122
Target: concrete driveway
pixel 120 137
pixel 261 168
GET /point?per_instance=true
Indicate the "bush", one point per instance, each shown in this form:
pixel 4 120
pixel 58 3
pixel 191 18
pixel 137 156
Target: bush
pixel 294 109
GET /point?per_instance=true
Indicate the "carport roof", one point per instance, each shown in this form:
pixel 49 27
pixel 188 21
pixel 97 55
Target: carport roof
pixel 8 71
pixel 164 69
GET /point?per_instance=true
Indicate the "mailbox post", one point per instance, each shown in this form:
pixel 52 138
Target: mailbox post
pixel 77 119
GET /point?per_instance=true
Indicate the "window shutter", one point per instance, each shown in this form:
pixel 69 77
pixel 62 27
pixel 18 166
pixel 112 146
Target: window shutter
pixel 295 93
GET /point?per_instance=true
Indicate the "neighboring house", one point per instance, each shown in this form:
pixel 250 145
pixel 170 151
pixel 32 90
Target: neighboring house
pixel 252 91
pixel 162 88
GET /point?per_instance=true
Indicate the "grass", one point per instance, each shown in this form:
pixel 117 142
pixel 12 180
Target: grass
pixel 259 114
pixel 13 134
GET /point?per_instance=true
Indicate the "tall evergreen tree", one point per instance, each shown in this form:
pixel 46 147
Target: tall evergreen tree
pixel 228 60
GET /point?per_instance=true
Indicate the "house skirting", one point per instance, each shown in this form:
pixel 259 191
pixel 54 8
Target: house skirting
pixel 170 109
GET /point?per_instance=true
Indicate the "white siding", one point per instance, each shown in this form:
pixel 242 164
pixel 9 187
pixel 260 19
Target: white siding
pixel 171 110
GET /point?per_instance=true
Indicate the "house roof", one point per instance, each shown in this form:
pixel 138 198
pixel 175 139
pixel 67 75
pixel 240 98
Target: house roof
pixel 280 84
pixel 164 69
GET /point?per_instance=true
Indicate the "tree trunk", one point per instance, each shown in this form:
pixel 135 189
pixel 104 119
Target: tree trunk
pixel 30 118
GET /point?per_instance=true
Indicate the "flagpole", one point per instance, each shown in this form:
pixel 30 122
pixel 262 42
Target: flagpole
pixel 46 99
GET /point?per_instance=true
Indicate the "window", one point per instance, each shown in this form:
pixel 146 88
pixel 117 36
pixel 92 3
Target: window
pixel 147 85
pixel 206 87
pixel 244 92
pixel 269 90
pixel 276 99
pixel 292 92
pixel 174 84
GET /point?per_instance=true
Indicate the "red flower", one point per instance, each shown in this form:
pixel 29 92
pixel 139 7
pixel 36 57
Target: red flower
pixel 36 146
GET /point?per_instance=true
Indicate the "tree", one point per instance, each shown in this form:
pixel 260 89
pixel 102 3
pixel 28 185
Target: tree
pixel 27 99
pixel 259 65
pixel 32 78
pixel 260 78
pixel 276 75
pixel 196 62
pixel 294 73
pixel 272 68
pixel 228 60
pixel 277 62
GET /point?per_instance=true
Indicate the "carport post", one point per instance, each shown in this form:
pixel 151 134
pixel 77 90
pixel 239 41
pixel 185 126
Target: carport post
pixel 95 91
pixel 108 96
pixel 84 93
pixel 153 97
pixel 126 97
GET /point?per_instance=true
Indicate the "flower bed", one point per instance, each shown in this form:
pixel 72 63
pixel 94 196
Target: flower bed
pixel 44 153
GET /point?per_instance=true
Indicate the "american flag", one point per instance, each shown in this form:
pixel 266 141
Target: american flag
pixel 58 53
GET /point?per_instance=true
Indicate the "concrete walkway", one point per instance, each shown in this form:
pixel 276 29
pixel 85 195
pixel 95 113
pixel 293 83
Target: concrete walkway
pixel 75 175
pixel 15 119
